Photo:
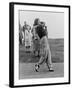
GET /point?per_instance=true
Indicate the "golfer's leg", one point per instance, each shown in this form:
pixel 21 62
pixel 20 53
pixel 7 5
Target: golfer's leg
pixel 37 66
pixel 41 60
pixel 49 60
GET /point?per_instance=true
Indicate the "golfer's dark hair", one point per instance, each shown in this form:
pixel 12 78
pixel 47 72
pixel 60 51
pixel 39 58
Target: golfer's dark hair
pixel 40 31
pixel 42 23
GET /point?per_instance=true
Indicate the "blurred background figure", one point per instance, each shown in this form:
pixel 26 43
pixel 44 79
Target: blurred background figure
pixel 30 37
pixel 35 38
pixel 27 35
pixel 20 35
pixel 24 28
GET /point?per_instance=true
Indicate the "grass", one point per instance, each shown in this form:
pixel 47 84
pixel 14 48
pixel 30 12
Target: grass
pixel 57 51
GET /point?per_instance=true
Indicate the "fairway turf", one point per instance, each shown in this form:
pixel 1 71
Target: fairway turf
pixel 27 61
pixel 27 70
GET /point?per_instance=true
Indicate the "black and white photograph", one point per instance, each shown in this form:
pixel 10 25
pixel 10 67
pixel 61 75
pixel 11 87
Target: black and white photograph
pixel 41 44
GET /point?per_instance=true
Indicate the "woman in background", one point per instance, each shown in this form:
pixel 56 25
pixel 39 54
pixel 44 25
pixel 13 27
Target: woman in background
pixel 26 30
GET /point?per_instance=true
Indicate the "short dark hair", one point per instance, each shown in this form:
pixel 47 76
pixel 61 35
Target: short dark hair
pixel 42 23
pixel 41 31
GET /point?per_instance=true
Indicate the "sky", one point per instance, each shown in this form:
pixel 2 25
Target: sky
pixel 53 20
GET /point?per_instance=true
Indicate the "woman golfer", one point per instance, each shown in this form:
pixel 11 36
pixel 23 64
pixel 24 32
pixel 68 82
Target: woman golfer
pixel 45 54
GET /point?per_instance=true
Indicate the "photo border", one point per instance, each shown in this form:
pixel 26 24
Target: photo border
pixel 11 42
